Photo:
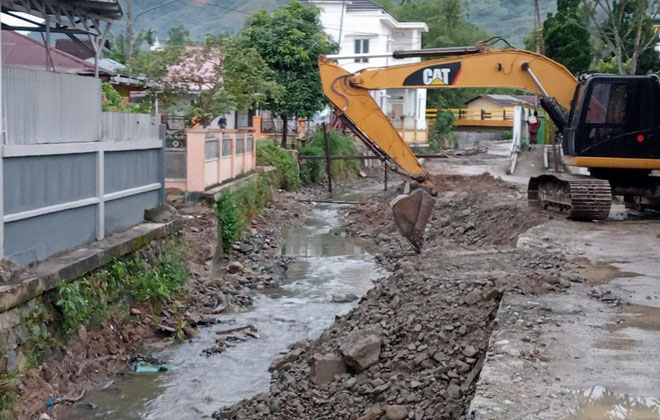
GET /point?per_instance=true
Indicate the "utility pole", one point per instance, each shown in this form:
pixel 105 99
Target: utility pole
pixel 128 41
pixel 539 27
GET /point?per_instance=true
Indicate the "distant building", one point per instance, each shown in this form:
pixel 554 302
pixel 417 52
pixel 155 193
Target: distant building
pixel 363 27
pixel 496 101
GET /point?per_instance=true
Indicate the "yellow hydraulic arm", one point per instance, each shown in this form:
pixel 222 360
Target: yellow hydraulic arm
pixel 463 67
pixel 488 67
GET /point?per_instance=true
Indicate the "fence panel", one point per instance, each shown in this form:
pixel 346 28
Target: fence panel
pixel 121 126
pixel 44 107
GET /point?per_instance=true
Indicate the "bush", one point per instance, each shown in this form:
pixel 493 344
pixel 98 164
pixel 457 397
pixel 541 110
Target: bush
pixel 88 300
pixel 441 133
pixel 235 209
pixel 314 170
pixel 286 174
pixel 506 135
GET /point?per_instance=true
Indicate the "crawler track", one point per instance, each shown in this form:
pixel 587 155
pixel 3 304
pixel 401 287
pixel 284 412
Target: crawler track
pixel 577 198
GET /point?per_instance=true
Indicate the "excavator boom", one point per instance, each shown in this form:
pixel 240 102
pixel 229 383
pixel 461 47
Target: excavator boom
pixel 465 68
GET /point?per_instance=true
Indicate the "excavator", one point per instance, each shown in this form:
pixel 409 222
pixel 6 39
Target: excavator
pixel 609 124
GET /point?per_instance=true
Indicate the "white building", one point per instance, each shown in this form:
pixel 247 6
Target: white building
pixel 362 26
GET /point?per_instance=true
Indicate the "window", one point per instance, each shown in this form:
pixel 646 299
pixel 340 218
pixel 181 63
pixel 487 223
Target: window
pixel 362 47
pixel 608 104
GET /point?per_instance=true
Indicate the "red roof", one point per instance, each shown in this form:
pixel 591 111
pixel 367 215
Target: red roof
pixel 22 51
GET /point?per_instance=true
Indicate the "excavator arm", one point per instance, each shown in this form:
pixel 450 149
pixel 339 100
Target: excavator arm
pixel 480 67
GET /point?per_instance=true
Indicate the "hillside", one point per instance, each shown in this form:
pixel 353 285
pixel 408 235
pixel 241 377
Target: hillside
pixel 199 17
pixel 511 19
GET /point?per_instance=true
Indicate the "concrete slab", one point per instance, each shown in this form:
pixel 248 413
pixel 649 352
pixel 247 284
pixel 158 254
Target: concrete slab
pixel 77 262
pixel 579 355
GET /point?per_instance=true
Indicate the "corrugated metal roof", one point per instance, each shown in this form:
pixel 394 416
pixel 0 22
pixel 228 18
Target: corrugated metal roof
pixel 106 8
pixel 22 51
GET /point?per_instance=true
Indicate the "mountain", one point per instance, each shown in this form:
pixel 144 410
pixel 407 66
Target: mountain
pixel 199 17
pixel 510 19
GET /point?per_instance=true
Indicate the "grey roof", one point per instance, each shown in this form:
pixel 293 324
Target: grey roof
pixel 354 4
pixel 362 5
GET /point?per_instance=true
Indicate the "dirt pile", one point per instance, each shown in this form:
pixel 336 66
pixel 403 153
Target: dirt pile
pixel 414 346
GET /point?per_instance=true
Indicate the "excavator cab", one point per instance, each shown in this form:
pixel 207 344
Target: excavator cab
pixel 614 118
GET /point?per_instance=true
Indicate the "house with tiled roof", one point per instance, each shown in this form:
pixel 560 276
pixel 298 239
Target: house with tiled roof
pixel 362 27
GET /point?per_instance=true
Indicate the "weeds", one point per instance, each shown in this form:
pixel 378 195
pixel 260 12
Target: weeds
pixel 286 174
pixel 7 394
pixel 235 209
pixel 87 301
pixel 314 170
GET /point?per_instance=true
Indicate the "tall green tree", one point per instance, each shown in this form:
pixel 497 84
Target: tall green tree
pixel 290 40
pixel 625 29
pixel 567 38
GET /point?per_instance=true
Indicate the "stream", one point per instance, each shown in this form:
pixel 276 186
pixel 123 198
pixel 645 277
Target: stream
pixel 326 264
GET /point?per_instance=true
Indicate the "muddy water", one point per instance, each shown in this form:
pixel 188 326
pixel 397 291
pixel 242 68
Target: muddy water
pixel 599 403
pixel 327 264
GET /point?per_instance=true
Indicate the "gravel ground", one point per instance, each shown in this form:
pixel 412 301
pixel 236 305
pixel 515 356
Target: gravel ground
pixel 414 346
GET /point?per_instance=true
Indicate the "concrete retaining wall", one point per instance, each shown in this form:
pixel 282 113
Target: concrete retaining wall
pixel 28 305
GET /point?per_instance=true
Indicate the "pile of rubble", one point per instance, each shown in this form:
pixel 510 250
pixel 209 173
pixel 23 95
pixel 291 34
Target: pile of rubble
pixel 415 345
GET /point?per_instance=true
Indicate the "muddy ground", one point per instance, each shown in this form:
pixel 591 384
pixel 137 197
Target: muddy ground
pixel 217 285
pixel 415 345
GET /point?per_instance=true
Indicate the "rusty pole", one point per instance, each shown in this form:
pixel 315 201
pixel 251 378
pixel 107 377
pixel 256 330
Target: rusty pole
pixel 328 162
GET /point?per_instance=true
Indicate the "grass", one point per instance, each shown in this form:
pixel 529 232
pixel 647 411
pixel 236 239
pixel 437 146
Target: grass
pixel 313 171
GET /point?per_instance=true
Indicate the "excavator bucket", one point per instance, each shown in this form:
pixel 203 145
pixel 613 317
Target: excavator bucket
pixel 411 214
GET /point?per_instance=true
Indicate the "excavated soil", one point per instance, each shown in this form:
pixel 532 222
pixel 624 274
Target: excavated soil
pixel 424 329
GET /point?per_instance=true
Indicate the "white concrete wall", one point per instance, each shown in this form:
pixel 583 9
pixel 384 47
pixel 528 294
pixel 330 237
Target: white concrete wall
pixel 385 35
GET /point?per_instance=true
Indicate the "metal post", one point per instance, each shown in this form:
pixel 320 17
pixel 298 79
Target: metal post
pixel 328 162
pixel 2 145
pixel 49 60
pixel 100 192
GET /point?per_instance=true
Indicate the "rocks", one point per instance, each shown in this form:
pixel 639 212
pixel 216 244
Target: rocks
pixel 8 270
pixel 235 267
pixel 325 367
pixel 362 348
pixel 162 213
pixel 344 298
pixel 395 412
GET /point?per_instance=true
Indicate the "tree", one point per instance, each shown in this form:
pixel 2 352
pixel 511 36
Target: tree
pixel 290 40
pixel 567 37
pixel 117 50
pixel 626 31
pixel 178 35
pixel 448 27
pixel 220 75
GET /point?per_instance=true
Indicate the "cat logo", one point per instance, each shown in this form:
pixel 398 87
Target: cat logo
pixel 438 75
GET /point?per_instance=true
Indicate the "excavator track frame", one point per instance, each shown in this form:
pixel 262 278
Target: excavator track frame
pixel 578 198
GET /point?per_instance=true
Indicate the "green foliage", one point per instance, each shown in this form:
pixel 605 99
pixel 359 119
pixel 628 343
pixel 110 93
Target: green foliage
pixel 235 209
pixel 7 394
pixel 290 41
pixel 39 339
pixel 532 41
pixel 219 76
pixel 625 30
pixel 611 66
pixel 112 100
pixel 567 38
pixel 88 301
pixel 314 170
pixel 286 168
pixel 506 135
pixel 441 133
pixel 117 50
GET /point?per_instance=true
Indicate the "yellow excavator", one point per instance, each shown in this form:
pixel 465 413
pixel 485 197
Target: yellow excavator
pixel 609 124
